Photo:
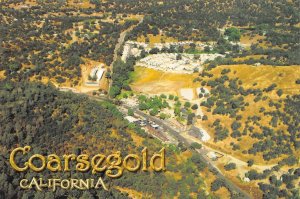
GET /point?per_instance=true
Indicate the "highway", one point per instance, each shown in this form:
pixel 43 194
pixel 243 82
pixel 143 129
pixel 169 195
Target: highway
pixel 166 126
pixel 202 152
pixel 176 134
pixel 239 193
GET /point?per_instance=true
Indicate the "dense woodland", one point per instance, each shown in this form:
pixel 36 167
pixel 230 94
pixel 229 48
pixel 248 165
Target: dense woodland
pixel 52 122
pixel 51 39
pixel 39 42
pixel 121 76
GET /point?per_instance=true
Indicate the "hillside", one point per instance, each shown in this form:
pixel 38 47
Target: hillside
pixel 54 122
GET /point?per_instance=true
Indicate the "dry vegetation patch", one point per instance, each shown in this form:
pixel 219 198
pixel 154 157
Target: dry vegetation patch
pixel 152 81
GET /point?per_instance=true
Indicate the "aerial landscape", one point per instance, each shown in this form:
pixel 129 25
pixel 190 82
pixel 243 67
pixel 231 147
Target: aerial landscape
pixel 186 99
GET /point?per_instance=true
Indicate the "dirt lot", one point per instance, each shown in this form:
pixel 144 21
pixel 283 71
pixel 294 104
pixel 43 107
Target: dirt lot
pixel 152 81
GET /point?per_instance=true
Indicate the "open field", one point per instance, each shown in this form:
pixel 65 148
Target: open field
pixel 71 3
pixel 156 39
pixel 249 57
pixel 264 76
pixel 248 40
pixel 152 81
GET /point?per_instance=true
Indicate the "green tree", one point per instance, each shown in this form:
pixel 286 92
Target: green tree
pixel 233 34
pixel 130 112
pixel 279 92
pixel 196 145
pixel 250 162
pixel 230 166
pixel 187 104
pixel 163 116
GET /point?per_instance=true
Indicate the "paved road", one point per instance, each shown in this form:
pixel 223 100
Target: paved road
pixel 118 46
pixel 176 134
pixel 202 152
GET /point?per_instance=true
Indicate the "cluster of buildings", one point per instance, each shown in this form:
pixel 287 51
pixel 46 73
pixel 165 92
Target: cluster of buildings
pixel 133 48
pixel 177 63
pixel 170 62
pixel 150 127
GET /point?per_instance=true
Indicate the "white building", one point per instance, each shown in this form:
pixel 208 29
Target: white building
pixel 205 136
pixel 97 72
pixel 212 155
pixel 94 72
pixel 171 63
pixel 131 119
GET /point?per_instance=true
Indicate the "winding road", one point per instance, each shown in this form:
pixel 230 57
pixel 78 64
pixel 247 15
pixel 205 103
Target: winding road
pixel 119 45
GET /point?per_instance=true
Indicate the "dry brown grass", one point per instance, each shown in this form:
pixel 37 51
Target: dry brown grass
pixel 156 39
pixel 131 192
pixel 137 139
pixel 176 176
pixel 232 175
pixel 248 40
pixel 264 76
pixel 152 81
pixel 223 193
pixel 2 75
pixel 249 57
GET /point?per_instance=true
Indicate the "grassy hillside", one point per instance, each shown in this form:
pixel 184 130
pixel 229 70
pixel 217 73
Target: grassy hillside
pixel 246 86
pixel 252 113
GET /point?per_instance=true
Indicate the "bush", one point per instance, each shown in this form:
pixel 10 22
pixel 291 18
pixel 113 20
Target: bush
pixel 279 92
pixel 250 162
pixel 230 166
pixel 162 116
pixel 196 145
pixel 154 112
pixel 130 112
pixel 217 184
pixel 204 117
pixel 233 34
pixel 187 104
pixel 171 97
pixel 195 107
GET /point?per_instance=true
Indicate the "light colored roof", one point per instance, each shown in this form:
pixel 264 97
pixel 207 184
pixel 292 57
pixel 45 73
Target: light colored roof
pixel 131 119
pixel 211 155
pixel 100 74
pixel 204 135
pixel 155 125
